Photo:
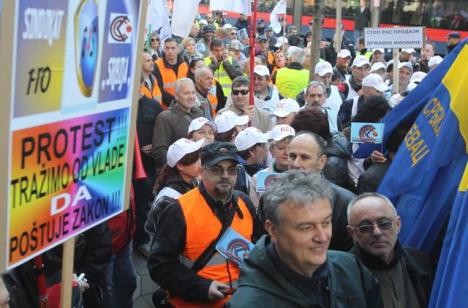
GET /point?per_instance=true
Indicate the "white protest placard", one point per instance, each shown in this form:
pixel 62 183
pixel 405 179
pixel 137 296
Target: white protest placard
pixel 400 37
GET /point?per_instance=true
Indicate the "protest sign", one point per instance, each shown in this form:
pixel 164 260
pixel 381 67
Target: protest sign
pixel 367 132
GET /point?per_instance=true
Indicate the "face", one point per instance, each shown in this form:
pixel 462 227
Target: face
pixel 280 60
pixel 427 52
pixel 404 74
pixel 205 81
pixel 286 120
pixel 260 83
pixel 302 235
pixel 279 151
pixel 171 50
pixel 186 96
pixel 206 131
pixel 194 31
pixel 342 63
pixel 240 96
pixel 190 46
pixel 359 73
pixel 154 42
pixel 190 171
pixel 262 45
pixel 304 153
pixel 377 57
pixel 218 52
pixel 233 34
pixel 147 63
pixel 315 97
pixel 373 211
pixel 326 79
pixel 258 154
pixel 209 35
pixel 197 65
pixel 220 179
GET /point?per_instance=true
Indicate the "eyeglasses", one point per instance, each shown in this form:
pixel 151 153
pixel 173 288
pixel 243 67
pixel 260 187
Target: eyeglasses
pixel 154 40
pixel 368 228
pixel 233 33
pixel 219 171
pixel 243 92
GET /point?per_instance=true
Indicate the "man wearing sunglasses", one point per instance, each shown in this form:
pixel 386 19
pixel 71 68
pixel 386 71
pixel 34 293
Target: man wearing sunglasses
pixel 405 274
pixel 183 258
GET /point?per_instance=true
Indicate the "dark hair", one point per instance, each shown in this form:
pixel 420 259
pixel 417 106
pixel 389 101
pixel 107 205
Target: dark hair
pixel 192 64
pixel 361 40
pixel 372 109
pixel 312 120
pixel 226 136
pixel 170 39
pixel 245 154
pixel 295 40
pixel 168 171
pixel 216 43
pixel 240 81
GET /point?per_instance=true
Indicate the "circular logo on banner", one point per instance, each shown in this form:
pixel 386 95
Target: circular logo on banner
pixel 237 250
pixel 368 134
pixel 120 28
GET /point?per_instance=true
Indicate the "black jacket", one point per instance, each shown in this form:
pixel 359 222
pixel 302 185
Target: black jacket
pixel 420 270
pixel 340 238
pixel 344 115
pixel 370 180
pixel 164 265
pixel 338 152
pixel 262 284
pixel 148 110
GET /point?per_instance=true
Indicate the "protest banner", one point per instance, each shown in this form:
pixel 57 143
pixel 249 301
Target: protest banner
pixel 69 121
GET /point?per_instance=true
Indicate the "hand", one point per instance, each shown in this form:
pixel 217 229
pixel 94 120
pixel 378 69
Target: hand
pixel 377 157
pixel 82 284
pixel 216 289
pixel 147 149
pixel 213 60
pixel 225 55
pixel 250 111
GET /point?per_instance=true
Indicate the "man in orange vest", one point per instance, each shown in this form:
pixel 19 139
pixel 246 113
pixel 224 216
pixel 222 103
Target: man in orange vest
pixel 183 257
pixel 150 88
pixel 206 101
pixel 169 69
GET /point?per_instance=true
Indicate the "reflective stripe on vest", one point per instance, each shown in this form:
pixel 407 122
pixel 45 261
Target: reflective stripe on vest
pixel 221 76
pixel 169 77
pixel 291 82
pixel 155 94
pixel 202 228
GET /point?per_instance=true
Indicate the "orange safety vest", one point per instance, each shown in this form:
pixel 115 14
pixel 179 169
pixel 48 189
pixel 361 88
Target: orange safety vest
pixel 169 77
pixel 270 58
pixel 203 228
pixel 213 102
pixel 155 93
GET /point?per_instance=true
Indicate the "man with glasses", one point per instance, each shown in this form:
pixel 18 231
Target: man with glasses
pixel 238 102
pixel 405 274
pixel 183 258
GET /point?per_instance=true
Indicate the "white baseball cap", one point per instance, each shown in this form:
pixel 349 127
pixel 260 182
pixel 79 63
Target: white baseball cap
pixel 344 53
pixel 407 65
pixel 381 50
pixel 197 123
pixel 281 41
pixel 261 70
pixel 322 68
pixel 228 120
pixel 180 148
pixel 435 60
pixel 378 66
pixel 249 137
pixel 285 107
pixel 281 131
pixel 418 77
pixel 408 50
pixel 227 26
pixel 375 81
pixel 360 61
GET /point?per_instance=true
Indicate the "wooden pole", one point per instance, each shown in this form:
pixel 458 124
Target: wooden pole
pixel 338 25
pixel 396 64
pixel 67 272
pixel 253 30
pixel 316 38
pixel 297 14
pixel 375 13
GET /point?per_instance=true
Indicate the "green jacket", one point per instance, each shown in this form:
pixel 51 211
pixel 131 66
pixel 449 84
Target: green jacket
pixel 262 285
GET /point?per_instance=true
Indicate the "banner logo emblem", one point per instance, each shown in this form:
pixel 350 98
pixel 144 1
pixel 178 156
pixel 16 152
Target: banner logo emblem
pixel 120 29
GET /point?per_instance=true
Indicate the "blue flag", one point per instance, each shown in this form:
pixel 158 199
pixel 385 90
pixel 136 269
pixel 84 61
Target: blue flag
pixel 450 288
pixel 426 171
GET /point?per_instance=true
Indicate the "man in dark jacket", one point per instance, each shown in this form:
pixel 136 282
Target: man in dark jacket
pixel 405 274
pixel 292 267
pixel 307 152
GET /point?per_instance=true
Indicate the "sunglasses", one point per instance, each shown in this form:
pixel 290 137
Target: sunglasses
pixel 154 40
pixel 243 92
pixel 368 228
pixel 219 171
pixel 233 33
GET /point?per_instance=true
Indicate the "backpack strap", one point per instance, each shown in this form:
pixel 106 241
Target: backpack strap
pixel 169 192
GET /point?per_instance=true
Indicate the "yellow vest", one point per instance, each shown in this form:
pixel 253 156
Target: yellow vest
pixel 221 76
pixel 291 82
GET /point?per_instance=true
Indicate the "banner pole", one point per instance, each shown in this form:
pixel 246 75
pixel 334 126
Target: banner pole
pixel 67 272
pixel 253 30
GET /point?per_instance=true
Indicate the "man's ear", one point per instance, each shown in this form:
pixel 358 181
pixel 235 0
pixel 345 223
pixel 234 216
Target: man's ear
pixel 322 161
pixel 350 231
pixel 272 230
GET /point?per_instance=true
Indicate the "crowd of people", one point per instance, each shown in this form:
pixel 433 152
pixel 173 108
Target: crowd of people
pixel 323 237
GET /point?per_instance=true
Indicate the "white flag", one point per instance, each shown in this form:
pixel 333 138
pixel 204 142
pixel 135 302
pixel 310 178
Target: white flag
pixel 280 9
pixel 183 15
pixel 238 6
pixel 157 18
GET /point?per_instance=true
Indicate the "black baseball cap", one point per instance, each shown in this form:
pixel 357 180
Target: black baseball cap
pixel 455 35
pixel 218 151
pixel 261 38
